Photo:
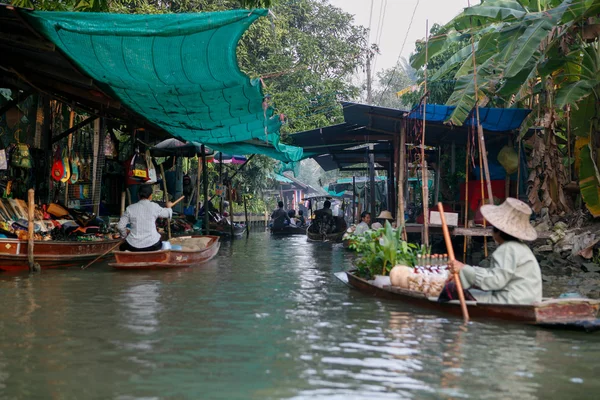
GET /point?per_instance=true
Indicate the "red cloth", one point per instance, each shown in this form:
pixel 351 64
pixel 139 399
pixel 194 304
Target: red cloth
pixel 498 191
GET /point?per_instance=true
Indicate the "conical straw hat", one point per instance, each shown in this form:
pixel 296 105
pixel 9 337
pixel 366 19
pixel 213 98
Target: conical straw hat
pixel 511 217
pixel 385 215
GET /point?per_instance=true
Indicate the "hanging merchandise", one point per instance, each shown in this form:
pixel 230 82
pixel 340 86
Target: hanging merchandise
pixel 74 161
pixel 152 176
pixel 58 168
pixel 138 168
pixel 20 157
pixel 110 150
pixel 65 160
pixel 219 190
pixel 3 163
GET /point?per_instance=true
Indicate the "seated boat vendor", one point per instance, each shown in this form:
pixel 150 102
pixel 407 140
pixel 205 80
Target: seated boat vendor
pixel 326 210
pixel 514 276
pixel 279 216
pixel 365 221
pixel 301 219
pixel 141 218
pixel 293 220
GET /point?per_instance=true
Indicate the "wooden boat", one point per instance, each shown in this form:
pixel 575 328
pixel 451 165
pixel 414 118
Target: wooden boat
pixel 224 231
pixel 165 259
pixel 341 227
pixel 288 230
pixel 50 254
pixel 575 313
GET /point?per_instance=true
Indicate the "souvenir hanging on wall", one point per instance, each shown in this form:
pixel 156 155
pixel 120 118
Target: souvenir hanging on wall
pixel 110 150
pixel 3 162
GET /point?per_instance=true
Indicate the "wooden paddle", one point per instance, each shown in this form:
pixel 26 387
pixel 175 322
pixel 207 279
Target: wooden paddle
pixel 103 255
pixel 459 289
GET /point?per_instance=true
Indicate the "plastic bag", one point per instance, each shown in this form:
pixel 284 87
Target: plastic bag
pixel 509 159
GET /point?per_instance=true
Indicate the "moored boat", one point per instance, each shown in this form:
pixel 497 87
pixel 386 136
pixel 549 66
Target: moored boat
pixel 224 231
pixel 575 313
pixel 195 250
pixel 50 254
pixel 288 230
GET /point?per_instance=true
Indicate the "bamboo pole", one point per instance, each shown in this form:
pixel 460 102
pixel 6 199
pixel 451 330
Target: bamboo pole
pixel 450 249
pixel 246 216
pixel 424 180
pixel 205 189
pixel 568 141
pixel 123 195
pixel 353 199
pixel 485 246
pixel 199 171
pixel 467 194
pixel 166 197
pixel 231 227
pixel 69 145
pixel 400 221
pixel 33 266
pixel 519 169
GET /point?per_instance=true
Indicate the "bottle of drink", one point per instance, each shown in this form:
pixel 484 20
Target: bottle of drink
pixel 419 263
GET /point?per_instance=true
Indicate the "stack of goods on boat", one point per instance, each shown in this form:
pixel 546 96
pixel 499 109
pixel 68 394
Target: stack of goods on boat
pixel 51 222
pixel 428 276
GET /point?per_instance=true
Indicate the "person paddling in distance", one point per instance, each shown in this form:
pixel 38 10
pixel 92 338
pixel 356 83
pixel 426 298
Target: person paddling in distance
pixel 141 218
pixel 514 276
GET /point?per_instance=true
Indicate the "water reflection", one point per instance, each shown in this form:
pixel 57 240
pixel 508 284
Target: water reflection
pixel 265 320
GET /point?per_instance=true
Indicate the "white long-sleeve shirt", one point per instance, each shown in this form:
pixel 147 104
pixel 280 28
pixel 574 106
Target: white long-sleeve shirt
pixel 514 276
pixel 142 219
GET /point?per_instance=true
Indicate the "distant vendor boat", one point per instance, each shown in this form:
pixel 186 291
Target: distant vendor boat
pixel 288 230
pixel 567 313
pixel 50 254
pixel 195 250
pixel 313 234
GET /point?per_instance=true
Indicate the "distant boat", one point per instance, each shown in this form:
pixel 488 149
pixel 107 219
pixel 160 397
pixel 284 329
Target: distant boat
pixel 341 226
pixel 165 259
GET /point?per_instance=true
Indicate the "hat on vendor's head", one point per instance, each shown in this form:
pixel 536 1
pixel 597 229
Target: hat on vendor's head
pixel 385 215
pixel 511 217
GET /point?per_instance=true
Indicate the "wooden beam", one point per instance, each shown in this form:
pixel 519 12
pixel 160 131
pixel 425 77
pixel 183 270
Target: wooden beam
pixel 74 128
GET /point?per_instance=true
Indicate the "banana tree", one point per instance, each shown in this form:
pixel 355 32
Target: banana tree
pixel 524 50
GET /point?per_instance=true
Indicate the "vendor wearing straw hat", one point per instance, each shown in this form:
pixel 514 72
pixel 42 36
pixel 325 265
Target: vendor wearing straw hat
pixel 383 216
pixel 514 276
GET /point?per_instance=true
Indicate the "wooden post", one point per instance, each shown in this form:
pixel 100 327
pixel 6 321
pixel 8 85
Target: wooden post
pixel 229 192
pixel 507 177
pixel 205 188
pixel 485 246
pixel 221 181
pixel 69 145
pixel 467 194
pixel 424 179
pixel 372 181
pixel 568 142
pixel 401 170
pixel 166 196
pixel 438 171
pixel 246 215
pixel 519 168
pixel 33 267
pixel 353 199
pixel 123 195
pixel 199 172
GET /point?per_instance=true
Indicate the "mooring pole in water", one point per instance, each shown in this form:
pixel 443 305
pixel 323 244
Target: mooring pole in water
pixel 205 189
pixel 353 198
pixel 230 192
pixel 33 266
pixel 246 215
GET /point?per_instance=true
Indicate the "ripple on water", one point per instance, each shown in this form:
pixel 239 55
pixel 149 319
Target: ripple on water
pixel 265 320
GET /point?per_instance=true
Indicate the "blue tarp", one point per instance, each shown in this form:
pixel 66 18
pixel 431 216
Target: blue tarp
pixel 492 119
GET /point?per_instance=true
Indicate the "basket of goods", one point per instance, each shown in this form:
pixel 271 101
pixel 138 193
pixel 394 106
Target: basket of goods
pixel 428 276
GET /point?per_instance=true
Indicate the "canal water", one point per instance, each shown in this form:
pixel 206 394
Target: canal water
pixel 266 319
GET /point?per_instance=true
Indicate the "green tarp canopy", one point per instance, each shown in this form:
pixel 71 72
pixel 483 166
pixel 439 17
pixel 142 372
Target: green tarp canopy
pixel 179 71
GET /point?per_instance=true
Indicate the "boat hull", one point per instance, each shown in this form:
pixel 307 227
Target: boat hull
pixel 547 312
pixel 288 230
pixel 50 254
pixel 331 237
pixel 166 259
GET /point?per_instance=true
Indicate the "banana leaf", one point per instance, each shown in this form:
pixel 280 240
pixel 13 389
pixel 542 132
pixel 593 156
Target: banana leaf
pixel 589 181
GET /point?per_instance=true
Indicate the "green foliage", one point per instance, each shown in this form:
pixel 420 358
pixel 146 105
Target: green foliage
pixel 140 6
pixel 391 81
pixel 380 250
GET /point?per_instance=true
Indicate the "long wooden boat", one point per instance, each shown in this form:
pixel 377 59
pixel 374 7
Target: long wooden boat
pixel 165 259
pixel 288 230
pixel 331 237
pixel 50 254
pixel 576 313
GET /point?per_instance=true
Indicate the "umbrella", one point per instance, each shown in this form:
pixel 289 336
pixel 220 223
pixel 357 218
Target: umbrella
pixel 229 159
pixel 174 147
